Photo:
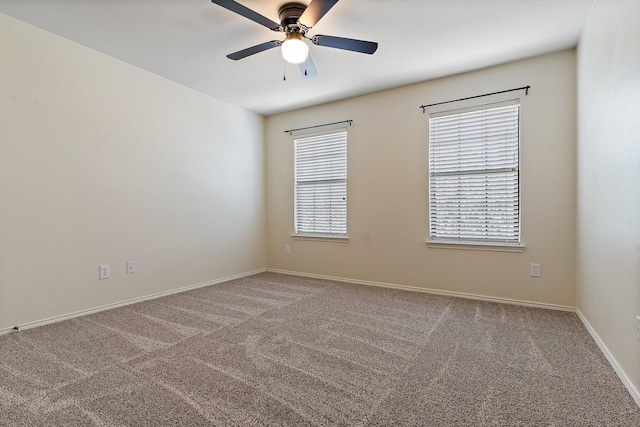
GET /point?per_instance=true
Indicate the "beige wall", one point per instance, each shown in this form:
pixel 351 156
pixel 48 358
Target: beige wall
pixel 101 163
pixel 608 250
pixel 387 160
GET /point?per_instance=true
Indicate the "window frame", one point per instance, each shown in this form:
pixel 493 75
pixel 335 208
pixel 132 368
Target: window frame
pixel 300 232
pixel 477 243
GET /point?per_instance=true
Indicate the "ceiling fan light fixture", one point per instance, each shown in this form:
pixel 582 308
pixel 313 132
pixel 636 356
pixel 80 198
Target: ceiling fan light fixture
pixel 294 49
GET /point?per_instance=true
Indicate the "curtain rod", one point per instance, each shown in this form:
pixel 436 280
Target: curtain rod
pixel 290 131
pixel 525 88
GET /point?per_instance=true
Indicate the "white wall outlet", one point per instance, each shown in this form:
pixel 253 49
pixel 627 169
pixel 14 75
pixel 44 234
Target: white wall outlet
pixel 104 272
pixel 131 267
pixel 287 249
pixel 638 328
pixel 534 270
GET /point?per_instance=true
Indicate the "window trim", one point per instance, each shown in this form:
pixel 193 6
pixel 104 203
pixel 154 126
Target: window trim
pixel 470 244
pixel 328 237
pixel 321 237
pixel 476 246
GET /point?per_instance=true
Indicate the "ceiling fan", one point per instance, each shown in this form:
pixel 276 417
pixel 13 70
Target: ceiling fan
pixel 296 19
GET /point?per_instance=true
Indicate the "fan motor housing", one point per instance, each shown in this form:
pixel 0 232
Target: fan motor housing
pixel 289 14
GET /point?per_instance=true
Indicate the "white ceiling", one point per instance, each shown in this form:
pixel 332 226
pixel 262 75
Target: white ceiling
pixel 186 41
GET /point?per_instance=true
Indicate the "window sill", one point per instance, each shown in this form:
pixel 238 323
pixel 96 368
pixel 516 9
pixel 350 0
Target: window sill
pixel 321 237
pixel 476 246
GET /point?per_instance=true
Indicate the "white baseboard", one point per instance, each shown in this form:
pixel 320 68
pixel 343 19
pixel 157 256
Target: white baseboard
pixel 612 360
pixel 55 319
pixel 430 291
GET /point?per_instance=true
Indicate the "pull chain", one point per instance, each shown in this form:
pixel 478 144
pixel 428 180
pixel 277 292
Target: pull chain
pixel 284 70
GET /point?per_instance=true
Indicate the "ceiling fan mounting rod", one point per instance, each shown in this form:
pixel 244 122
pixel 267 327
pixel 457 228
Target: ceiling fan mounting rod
pixel 290 14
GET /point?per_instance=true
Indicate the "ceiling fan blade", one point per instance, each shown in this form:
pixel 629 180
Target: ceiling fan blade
pixel 307 68
pixel 353 45
pixel 315 11
pixel 254 49
pixel 248 13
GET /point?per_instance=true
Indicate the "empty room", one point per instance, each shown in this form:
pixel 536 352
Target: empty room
pixel 322 212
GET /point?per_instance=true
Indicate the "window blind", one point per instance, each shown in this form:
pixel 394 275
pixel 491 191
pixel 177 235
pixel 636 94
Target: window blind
pixel 474 175
pixel 321 185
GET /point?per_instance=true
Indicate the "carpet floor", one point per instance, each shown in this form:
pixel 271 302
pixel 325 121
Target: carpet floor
pixel 281 350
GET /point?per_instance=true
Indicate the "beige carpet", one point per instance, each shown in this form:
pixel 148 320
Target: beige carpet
pixel 282 350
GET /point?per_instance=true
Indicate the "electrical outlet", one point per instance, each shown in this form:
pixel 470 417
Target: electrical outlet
pixel 287 249
pixel 534 270
pixel 104 272
pixel 131 267
pixel 638 328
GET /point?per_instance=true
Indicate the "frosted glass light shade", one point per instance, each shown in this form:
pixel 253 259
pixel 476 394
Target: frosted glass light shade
pixel 294 49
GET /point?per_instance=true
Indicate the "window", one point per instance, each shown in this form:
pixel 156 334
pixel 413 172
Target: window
pixel 474 193
pixel 321 185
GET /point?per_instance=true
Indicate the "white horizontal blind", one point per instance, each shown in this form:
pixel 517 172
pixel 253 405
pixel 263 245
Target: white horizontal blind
pixel 474 175
pixel 321 185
